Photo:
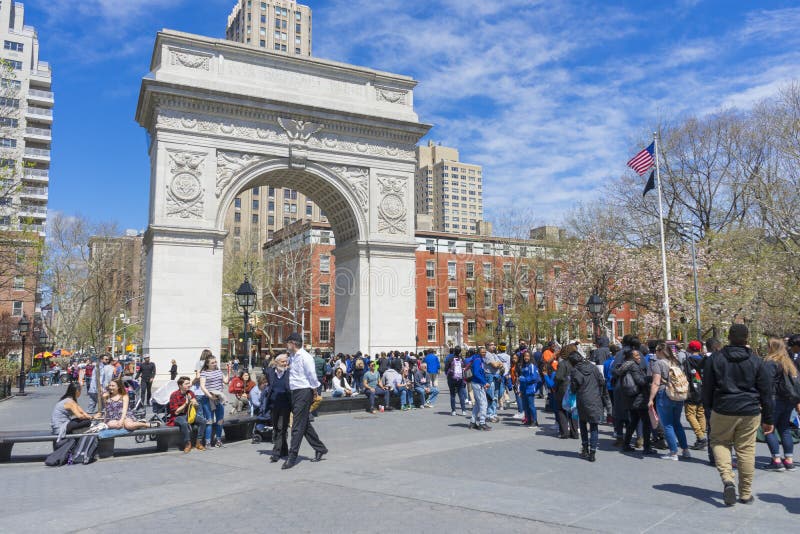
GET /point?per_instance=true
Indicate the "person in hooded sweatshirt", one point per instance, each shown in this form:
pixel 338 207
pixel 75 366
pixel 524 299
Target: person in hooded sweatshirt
pixel 737 390
pixel 589 386
pixel 602 352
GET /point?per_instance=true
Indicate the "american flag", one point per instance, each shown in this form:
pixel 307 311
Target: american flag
pixel 643 161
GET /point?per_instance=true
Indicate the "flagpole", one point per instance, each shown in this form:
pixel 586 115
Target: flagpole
pixel 663 246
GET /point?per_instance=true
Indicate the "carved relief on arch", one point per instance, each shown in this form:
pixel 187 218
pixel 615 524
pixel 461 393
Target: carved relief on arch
pixel 229 164
pixel 392 209
pixel 185 193
pixel 357 178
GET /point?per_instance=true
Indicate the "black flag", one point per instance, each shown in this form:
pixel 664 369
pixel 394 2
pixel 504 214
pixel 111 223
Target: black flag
pixel 651 183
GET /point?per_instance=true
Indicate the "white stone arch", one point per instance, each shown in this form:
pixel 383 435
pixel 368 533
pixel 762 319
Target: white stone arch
pixel 319 183
pixel 222 117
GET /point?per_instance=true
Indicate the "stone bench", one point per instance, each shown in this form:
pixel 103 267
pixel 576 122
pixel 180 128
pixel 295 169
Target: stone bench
pixel 359 403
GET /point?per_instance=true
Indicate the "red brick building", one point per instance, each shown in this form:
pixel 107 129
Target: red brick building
pixel 461 284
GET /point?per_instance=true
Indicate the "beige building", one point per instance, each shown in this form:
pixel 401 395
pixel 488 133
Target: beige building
pixel 450 191
pixel 120 261
pixel 26 120
pixel 277 25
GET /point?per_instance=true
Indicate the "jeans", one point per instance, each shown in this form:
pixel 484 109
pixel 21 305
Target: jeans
pixel 92 403
pixel 432 395
pixel 491 406
pixel 217 415
pixel 639 417
pixel 186 428
pixel 500 388
pixel 371 394
pixel 358 379
pixel 479 407
pixel 589 436
pixel 338 393
pixel 460 387
pixel 529 407
pixel 403 394
pixel 519 401
pixel 669 411
pixel 782 435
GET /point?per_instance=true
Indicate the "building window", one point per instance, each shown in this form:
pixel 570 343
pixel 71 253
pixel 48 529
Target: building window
pixel 620 328
pixel 634 328
pixel 324 263
pixel 16 65
pixel 16 310
pixel 470 268
pixel 487 248
pixel 237 217
pixel 487 298
pixel 470 299
pixel 469 248
pixel 324 295
pixel 452 298
pixel 255 204
pixel 487 271
pixel 13 45
pixel 540 302
pixel 271 220
pixel 508 299
pixel 430 269
pixel 309 209
pixel 8 121
pixel 237 203
pixel 507 272
pixel 255 218
pixel 256 191
pixel 19 283
pixel 431 331
pixel 20 257
pixel 271 191
pixel 431 297
pixel 271 205
pixel 324 330
pixel 237 230
pixel 451 270
pixel 325 237
pixel 472 329
pixel 8 143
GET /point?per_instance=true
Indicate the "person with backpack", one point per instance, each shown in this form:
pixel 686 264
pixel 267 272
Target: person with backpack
pixel 479 383
pixel 695 415
pixel 359 368
pixel 668 393
pixel 566 424
pixel 786 397
pixel 737 390
pixel 454 370
pixel 635 386
pixel 591 396
pixel 529 380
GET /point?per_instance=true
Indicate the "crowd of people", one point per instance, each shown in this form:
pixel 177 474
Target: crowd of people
pixel 643 390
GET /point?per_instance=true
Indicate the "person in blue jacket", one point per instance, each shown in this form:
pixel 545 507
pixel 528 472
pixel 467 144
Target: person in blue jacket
pixel 432 361
pixel 479 385
pixel 530 380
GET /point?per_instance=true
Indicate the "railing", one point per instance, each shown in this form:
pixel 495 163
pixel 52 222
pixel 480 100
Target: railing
pixel 28 208
pixel 33 110
pixel 36 173
pixel 40 93
pixel 27 190
pixel 44 132
pixel 37 152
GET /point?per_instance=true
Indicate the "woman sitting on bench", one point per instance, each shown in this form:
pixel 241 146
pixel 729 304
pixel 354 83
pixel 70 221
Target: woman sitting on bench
pixel 116 404
pixel 67 413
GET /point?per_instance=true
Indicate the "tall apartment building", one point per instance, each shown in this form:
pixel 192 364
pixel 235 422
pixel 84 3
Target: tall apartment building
pixel 277 25
pixel 26 119
pixel 450 191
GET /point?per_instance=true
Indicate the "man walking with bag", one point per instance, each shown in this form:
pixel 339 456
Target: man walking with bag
pixel 303 384
pixel 736 391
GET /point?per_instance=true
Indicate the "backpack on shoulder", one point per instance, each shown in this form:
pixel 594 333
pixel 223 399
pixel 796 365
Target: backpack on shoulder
pixel 62 454
pixel 629 387
pixel 467 370
pixel 677 385
pixel 790 388
pixel 85 451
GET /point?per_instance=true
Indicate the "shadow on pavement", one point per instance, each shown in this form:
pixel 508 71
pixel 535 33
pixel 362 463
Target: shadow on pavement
pixel 792 504
pixel 566 454
pixel 712 497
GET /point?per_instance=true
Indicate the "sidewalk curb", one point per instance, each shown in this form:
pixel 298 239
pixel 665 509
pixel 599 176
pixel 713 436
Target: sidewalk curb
pixel 7 398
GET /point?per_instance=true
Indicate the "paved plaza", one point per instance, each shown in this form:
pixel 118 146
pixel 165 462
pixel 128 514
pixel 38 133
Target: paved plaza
pixel 391 472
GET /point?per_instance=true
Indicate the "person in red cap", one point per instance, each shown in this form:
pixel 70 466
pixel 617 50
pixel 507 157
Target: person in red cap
pixel 695 415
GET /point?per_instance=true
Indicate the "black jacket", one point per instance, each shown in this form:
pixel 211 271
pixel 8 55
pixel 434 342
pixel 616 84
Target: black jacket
pixel 562 377
pixel 277 394
pixel 147 370
pixel 589 386
pixel 691 365
pixel 642 381
pixel 736 382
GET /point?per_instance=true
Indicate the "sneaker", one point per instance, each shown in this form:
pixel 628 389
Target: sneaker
pixel 453 413
pixel 219 443
pixel 775 466
pixel 426 405
pixel 729 494
pixel 519 415
pixel 673 457
pixel 473 426
pixel 463 413
pixel 748 500
pixel 700 444
pixel 789 466
pixel 199 446
pixel 639 443
pixel 685 454
pixel 650 452
pixel 484 427
pixel 628 448
pixel 187 447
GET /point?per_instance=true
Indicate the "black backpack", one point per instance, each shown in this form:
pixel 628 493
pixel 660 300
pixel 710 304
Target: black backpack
pixel 85 450
pixel 62 453
pixel 789 388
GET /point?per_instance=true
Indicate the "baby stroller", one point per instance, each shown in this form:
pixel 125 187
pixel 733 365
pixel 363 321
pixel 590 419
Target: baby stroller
pixel 160 404
pixel 262 431
pixel 133 388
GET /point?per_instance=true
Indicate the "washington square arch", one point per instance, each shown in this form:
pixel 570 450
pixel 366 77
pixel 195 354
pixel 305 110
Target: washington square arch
pixel 224 117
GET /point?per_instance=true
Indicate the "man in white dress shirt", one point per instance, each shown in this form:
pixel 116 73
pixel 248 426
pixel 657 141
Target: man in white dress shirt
pixel 303 384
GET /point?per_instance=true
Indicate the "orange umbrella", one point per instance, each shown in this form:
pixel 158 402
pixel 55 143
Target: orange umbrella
pixel 41 355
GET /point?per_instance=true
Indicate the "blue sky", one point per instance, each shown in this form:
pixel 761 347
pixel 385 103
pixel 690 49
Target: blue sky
pixel 551 97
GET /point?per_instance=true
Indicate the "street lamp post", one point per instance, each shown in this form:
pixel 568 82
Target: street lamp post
pixel 246 299
pixel 22 326
pixel 595 305
pixel 499 330
pixel 510 328
pixel 42 344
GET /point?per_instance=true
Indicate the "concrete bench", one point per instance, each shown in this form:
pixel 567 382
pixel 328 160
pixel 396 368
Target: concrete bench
pixel 359 403
pixel 235 429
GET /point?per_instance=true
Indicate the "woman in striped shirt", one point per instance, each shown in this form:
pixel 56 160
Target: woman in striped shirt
pixel 213 400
